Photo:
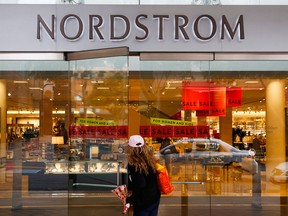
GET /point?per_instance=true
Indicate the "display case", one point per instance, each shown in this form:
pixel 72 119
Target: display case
pixel 74 175
pixel 83 162
pixel 84 167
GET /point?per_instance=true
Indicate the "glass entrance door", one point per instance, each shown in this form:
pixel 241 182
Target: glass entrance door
pixel 63 125
pixel 98 128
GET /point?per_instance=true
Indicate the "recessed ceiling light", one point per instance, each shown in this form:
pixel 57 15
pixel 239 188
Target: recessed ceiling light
pixel 252 82
pixel 35 88
pixel 20 81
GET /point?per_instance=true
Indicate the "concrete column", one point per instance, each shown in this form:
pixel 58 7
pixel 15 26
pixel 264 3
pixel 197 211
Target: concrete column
pixel 202 121
pixel 275 124
pixel 46 107
pixel 3 119
pixel 134 122
pixel 134 117
pixel 225 124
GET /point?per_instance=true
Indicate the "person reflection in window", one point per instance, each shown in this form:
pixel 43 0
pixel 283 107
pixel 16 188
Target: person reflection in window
pixel 60 130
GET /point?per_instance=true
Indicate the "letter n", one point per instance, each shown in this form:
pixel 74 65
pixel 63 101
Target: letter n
pixel 41 22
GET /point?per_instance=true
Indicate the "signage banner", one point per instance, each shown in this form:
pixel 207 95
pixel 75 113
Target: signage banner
pixel 196 98
pixel 145 131
pixel 94 122
pixel 98 131
pixel 143 28
pixel 206 100
pixel 175 131
pixel 161 121
pixel 234 97
pixel 218 95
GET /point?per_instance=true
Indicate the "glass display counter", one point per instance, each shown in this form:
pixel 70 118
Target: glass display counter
pixel 82 167
pixel 74 175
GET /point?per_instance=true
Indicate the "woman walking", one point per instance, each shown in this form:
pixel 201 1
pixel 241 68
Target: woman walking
pixel 143 184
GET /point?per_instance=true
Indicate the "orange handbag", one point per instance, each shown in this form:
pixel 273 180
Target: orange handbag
pixel 164 183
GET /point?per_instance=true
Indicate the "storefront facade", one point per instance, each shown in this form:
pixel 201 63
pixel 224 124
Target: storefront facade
pixel 77 80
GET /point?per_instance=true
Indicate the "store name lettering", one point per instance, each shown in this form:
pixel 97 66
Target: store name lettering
pixel 183 28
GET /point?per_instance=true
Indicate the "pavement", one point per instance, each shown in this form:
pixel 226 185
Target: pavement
pixel 81 204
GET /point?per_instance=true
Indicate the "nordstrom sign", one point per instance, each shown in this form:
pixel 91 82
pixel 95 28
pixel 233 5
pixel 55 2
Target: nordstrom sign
pixel 143 28
pixel 203 28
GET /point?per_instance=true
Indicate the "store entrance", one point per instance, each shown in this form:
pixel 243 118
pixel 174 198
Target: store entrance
pixel 99 120
pixel 65 124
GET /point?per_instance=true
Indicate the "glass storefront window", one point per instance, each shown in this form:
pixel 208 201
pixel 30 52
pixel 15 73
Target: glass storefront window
pixel 253 119
pixel 201 118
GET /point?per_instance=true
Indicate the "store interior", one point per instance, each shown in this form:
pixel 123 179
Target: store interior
pixel 152 94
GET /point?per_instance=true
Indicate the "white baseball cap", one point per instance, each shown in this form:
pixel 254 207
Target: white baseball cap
pixel 136 141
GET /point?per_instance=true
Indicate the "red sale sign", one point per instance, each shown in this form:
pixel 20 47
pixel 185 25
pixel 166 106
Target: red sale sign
pixel 206 100
pixel 145 131
pixel 98 131
pixel 234 97
pixel 175 131
pixel 195 97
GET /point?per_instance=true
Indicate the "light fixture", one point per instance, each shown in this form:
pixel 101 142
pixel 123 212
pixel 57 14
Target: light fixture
pixel 11 112
pixel 35 88
pixel 97 81
pixel 20 81
pixel 251 81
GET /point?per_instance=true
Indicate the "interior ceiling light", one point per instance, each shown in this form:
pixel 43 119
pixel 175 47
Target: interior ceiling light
pixel 20 81
pixel 35 88
pixel 175 81
pixel 11 112
pixel 97 81
pixel 252 82
pixel 103 88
